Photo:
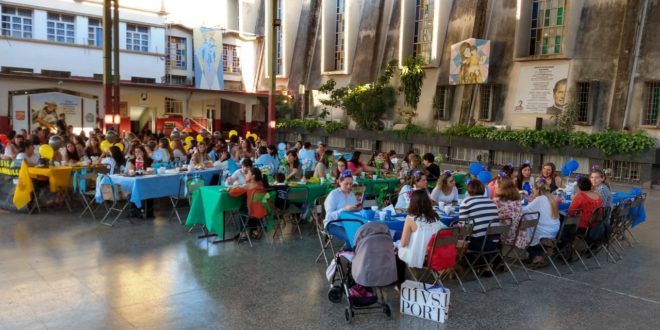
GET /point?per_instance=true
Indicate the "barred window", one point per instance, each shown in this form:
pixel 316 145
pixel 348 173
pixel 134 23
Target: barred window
pixel 137 37
pixel 442 103
pixel 650 114
pixel 486 102
pixel 582 97
pixel 547 26
pixel 231 62
pixel 622 171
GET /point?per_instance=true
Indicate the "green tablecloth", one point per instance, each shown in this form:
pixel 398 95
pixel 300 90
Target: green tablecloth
pixel 369 184
pixel 209 205
pixel 459 178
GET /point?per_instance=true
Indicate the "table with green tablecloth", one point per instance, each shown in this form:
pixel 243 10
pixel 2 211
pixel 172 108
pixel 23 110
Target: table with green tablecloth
pixel 210 203
pixel 371 186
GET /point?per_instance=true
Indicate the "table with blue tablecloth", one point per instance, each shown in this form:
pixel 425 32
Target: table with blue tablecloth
pixel 638 213
pixel 154 185
pixel 396 223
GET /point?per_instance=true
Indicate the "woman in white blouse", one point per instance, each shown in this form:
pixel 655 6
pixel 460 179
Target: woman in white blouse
pixel 543 202
pixel 445 190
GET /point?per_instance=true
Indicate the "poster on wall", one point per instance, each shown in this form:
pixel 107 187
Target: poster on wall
pixel 47 108
pixel 541 88
pixel 207 44
pixel 20 112
pixel 469 62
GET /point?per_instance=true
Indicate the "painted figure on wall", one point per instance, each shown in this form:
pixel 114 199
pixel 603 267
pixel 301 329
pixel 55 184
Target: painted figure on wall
pixel 559 98
pixel 469 62
pixel 47 116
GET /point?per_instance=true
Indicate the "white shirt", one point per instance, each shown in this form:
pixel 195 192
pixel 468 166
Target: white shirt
pixel 548 226
pixel 238 176
pixel 334 204
pixel 110 162
pixel 439 196
pixel 31 160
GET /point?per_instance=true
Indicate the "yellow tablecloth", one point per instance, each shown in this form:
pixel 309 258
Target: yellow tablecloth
pixel 59 178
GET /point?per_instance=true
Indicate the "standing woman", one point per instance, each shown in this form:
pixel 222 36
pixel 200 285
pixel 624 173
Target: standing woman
pixel 255 183
pixel 542 201
pixel 549 174
pixel 445 190
pixel 292 166
pixel 601 186
pixel 509 208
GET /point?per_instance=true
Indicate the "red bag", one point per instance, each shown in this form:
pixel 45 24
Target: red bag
pixel 440 258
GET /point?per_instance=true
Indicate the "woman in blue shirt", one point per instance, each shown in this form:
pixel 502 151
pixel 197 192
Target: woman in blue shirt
pixel 339 200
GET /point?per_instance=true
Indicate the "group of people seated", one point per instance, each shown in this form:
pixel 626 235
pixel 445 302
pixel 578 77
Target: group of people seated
pixel 506 199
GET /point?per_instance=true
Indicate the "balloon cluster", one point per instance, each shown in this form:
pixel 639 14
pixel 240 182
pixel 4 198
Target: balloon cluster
pixel 571 166
pixel 478 170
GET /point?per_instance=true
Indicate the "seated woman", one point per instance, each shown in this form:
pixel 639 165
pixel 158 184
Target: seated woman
pixel 586 200
pixel 70 154
pixel 255 183
pixel 178 153
pixel 542 201
pixel 225 162
pixel 26 152
pixel 340 168
pixel 505 172
pixel 445 190
pixel 264 160
pixel 524 180
pixel 293 171
pixel 481 211
pixel 355 165
pixel 601 186
pixel 509 208
pixel 421 223
pixel 549 174
pixel 200 158
pixel 114 159
pixel 164 145
pixel 340 199
pixel 323 166
pixel 432 169
pixel 414 164
pixel 139 160
pixel 417 182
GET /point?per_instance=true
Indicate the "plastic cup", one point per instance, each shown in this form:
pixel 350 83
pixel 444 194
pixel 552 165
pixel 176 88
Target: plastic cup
pixel 374 208
pixel 322 180
pixel 375 177
pixel 448 209
pixel 381 215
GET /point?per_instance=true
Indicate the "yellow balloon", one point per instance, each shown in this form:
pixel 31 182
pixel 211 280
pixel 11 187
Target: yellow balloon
pixel 46 151
pixel 253 135
pixel 186 147
pixel 120 146
pixel 200 138
pixel 171 145
pixel 105 146
pixel 232 133
pixel 188 139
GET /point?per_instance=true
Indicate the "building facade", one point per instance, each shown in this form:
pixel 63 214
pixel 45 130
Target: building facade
pixel 51 52
pixel 598 56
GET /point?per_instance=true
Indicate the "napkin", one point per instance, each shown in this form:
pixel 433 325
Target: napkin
pixel 390 208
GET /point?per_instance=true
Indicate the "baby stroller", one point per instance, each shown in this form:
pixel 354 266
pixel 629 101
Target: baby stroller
pixel 362 274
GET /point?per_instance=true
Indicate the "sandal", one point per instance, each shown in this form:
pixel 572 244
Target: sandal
pixel 256 234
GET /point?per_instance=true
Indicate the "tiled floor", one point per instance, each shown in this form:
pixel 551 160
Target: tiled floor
pixel 59 272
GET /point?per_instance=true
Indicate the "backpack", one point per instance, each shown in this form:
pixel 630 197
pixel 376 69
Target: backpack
pixel 441 258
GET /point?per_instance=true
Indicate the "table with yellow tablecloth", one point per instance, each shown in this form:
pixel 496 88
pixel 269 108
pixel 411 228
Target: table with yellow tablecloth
pixel 59 177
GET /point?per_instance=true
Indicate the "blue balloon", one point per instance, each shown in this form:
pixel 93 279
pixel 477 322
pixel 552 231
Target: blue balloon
pixel 281 146
pixel 476 168
pixel 565 171
pixel 572 165
pixel 484 177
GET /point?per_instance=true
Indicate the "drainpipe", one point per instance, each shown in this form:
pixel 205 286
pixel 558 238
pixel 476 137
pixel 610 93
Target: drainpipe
pixel 631 81
pixel 115 58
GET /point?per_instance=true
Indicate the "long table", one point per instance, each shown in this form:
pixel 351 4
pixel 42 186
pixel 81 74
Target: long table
pixel 639 214
pixel 154 185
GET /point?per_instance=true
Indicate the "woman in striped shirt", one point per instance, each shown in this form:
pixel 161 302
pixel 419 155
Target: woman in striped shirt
pixel 482 211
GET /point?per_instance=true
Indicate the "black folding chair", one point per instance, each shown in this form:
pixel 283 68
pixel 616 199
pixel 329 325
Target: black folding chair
pixel 529 221
pixel 562 245
pixel 487 258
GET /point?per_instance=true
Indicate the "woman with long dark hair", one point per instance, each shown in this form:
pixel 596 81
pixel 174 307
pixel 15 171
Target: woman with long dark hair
pixel 255 183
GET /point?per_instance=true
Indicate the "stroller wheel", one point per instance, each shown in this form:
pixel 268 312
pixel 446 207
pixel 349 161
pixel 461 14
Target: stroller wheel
pixel 348 314
pixel 387 310
pixel 335 294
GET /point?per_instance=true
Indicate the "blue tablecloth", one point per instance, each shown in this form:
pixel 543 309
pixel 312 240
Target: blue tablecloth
pixel 153 186
pixel 396 224
pixel 639 213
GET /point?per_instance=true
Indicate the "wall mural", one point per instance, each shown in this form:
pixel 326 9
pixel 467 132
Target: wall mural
pixel 208 59
pixel 469 62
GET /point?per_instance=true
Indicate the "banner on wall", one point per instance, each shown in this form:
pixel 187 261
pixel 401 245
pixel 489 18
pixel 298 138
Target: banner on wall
pixel 208 58
pixel 469 62
pixel 541 88
pixel 46 108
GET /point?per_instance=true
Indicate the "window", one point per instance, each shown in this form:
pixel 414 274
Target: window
pixel 462 154
pixel 362 144
pixel 61 28
pixel 230 60
pixel 95 32
pixel 547 26
pixel 487 102
pixel 137 38
pixel 176 53
pixel 442 103
pixel 340 29
pixel 16 22
pixel 622 171
pixel 423 33
pixel 173 79
pixel 173 107
pixel 582 96
pixel 278 40
pixel 650 114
